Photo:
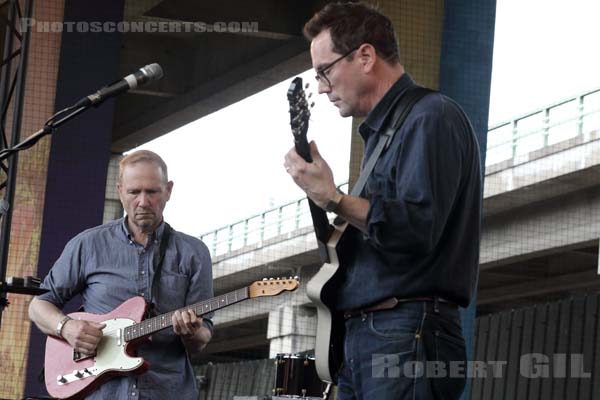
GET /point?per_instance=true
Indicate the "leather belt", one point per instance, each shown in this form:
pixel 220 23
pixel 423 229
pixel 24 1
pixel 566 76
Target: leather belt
pixel 392 302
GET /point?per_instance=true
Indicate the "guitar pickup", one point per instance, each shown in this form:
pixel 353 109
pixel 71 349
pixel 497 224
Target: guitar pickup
pixel 78 356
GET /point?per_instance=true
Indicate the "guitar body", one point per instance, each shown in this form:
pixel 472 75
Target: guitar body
pixel 329 346
pixel 113 356
pixel 72 376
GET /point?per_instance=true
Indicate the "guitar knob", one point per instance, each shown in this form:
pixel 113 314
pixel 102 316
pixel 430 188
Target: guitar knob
pixel 78 374
pixel 61 379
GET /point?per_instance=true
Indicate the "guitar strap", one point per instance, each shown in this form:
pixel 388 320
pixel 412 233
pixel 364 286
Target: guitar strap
pixel 158 262
pixel 405 103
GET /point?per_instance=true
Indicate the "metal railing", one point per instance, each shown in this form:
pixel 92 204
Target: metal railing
pixel 578 115
pixel 257 229
pixel 566 119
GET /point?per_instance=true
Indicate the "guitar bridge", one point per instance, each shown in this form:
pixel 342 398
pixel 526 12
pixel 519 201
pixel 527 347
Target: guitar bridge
pixel 76 375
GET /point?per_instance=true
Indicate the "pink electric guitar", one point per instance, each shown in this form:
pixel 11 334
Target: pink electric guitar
pixel 70 374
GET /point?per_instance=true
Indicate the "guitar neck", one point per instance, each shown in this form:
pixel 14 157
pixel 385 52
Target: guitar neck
pixel 302 148
pixel 299 117
pixel 151 325
pixel 319 216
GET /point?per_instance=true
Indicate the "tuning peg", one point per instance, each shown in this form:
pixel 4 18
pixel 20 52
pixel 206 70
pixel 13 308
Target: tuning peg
pixel 310 95
pixel 312 104
pixel 297 278
pixel 307 85
pixel 265 279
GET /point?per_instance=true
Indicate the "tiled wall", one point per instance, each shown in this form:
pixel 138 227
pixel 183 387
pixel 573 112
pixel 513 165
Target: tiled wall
pixel 42 70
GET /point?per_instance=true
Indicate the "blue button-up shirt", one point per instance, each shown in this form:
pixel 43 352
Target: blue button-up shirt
pixel 107 267
pixel 425 208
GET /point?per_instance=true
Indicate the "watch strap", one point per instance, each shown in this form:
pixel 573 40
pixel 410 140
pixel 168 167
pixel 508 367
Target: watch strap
pixel 333 204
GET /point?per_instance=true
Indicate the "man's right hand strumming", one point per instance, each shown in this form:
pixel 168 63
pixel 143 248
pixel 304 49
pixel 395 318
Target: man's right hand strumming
pixel 83 336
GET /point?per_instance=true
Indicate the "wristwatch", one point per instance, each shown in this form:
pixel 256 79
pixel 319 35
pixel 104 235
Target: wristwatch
pixel 333 204
pixel 61 325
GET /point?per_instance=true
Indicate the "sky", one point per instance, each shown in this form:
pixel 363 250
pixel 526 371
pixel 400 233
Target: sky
pixel 544 51
pixel 229 165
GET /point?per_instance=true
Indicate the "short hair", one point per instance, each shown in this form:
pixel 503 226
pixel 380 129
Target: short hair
pixel 143 156
pixel 352 24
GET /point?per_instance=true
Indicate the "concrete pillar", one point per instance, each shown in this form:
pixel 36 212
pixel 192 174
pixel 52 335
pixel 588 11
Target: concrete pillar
pixel 291 330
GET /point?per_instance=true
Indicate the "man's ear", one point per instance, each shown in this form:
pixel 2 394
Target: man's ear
pixel 169 189
pixel 367 56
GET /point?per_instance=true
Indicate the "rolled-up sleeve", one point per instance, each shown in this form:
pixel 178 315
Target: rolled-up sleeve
pixel 408 213
pixel 65 279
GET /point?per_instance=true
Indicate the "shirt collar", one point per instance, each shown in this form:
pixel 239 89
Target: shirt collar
pixel 154 236
pixel 379 113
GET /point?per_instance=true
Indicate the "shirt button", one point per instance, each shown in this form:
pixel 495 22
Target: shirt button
pixel 143 272
pixel 142 294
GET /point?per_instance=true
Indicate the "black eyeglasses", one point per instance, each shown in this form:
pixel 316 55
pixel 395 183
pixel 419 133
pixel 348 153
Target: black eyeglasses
pixel 324 71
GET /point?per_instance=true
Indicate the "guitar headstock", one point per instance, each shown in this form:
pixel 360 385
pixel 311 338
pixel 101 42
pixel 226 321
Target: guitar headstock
pixel 272 287
pixel 299 109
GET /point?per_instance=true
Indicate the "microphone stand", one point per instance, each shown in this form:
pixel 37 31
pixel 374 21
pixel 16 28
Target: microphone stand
pixel 49 128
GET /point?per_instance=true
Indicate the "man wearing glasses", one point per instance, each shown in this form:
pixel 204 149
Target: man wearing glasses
pixel 410 255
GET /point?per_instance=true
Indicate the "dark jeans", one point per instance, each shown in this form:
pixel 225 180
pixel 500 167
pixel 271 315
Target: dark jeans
pixel 409 352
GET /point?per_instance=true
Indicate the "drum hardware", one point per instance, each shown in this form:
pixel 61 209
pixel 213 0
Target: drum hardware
pixel 296 377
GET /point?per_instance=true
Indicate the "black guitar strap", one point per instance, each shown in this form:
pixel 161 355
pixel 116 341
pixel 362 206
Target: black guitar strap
pixel 405 103
pixel 158 261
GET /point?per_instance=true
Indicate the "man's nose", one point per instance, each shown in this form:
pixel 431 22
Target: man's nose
pixel 143 199
pixel 323 87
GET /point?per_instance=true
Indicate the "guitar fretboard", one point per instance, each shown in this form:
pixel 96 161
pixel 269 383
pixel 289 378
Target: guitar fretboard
pixel 160 322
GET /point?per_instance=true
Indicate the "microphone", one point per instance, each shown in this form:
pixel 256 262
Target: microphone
pixel 149 73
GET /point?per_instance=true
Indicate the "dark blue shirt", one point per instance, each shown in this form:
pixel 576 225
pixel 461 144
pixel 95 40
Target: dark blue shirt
pixel 107 267
pixel 425 208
